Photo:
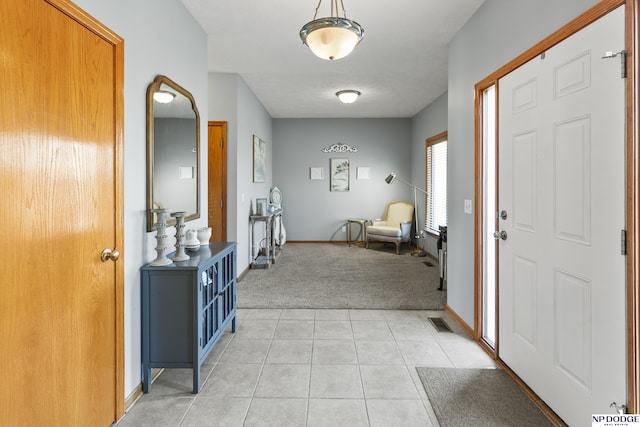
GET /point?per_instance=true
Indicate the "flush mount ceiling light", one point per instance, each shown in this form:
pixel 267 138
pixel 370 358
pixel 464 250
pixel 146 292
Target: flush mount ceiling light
pixel 332 37
pixel 348 96
pixel 163 96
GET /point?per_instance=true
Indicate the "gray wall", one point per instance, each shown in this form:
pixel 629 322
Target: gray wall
pixel 223 106
pixel 232 101
pixel 161 37
pixel 431 121
pixel 498 32
pixel 310 210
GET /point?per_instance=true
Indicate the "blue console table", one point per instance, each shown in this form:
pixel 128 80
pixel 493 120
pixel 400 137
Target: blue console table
pixel 186 306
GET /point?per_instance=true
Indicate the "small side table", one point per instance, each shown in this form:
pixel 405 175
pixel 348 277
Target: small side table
pixel 272 250
pixel 363 231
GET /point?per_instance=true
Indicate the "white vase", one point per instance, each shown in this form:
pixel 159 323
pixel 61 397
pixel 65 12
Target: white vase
pixel 204 235
pixel 192 244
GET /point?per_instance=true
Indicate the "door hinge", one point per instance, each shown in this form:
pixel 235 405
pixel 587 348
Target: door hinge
pixel 221 143
pixel 623 242
pixel 220 204
pixel 623 61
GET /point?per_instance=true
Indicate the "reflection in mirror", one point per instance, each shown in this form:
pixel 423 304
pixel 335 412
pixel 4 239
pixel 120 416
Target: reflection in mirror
pixel 173 144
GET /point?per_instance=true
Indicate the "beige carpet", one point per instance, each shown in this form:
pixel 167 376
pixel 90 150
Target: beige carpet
pixel 326 275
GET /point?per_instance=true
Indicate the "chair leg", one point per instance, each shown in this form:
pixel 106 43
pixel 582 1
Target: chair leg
pixel 366 244
pixel 397 248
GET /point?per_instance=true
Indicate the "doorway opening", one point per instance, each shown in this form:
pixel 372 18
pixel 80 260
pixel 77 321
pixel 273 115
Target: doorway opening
pixel 217 179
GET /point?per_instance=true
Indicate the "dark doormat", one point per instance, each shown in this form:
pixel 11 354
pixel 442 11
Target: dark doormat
pixel 479 398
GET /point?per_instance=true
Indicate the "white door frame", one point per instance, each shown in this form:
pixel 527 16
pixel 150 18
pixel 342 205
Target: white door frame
pixel 632 161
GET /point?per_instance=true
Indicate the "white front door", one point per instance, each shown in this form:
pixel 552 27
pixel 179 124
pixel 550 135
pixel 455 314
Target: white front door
pixel 562 188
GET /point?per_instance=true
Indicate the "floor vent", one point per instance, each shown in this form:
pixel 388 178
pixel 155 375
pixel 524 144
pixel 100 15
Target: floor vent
pixel 428 263
pixel 440 324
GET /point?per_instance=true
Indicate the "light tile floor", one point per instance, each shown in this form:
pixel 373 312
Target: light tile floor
pixel 299 367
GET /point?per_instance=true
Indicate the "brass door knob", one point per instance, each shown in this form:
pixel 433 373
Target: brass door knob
pixel 109 254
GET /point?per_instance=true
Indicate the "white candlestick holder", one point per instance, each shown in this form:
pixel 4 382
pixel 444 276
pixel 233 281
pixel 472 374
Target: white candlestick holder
pixel 180 255
pixel 161 237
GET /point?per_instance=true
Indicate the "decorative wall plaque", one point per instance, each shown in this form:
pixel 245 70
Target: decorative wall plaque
pixel 340 148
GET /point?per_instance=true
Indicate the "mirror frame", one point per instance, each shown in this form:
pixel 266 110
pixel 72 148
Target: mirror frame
pixel 153 87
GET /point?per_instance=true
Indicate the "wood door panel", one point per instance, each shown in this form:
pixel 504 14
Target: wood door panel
pixel 573 328
pixel 58 151
pixel 571 183
pixel 525 326
pixel 217 181
pixel 524 181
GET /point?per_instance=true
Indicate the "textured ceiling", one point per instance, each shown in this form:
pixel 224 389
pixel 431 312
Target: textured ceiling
pixel 400 66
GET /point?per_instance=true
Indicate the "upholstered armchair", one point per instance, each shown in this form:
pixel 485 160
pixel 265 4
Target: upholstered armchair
pixel 394 227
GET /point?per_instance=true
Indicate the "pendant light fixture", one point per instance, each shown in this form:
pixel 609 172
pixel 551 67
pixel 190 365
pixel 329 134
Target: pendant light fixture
pixel 332 37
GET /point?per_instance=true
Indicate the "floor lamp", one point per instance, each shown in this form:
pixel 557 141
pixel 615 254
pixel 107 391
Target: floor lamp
pixel 389 179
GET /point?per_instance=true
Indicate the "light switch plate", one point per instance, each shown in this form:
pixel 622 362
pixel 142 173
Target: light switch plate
pixel 468 207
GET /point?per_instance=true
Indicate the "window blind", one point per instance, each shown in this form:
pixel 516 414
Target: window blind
pixel 436 203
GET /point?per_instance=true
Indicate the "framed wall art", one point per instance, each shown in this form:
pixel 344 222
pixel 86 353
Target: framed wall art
pixel 316 173
pixel 261 206
pixel 259 159
pixel 339 174
pixel 362 173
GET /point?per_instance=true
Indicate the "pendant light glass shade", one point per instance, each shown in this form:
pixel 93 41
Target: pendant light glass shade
pixel 331 38
pixel 348 96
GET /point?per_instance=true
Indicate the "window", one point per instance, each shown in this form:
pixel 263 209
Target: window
pixel 436 173
pixel 490 207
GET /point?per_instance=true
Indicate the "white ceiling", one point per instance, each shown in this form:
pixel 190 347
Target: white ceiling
pixel 400 66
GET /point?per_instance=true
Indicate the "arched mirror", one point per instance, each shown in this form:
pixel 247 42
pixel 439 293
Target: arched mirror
pixel 173 146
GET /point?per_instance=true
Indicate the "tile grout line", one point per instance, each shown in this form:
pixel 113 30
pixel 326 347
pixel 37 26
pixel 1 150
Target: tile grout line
pixel 197 397
pixel 366 406
pixel 313 344
pixel 238 323
pixel 264 361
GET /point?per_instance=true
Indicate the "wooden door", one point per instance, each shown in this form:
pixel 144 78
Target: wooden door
pixel 562 186
pixel 217 164
pixel 61 122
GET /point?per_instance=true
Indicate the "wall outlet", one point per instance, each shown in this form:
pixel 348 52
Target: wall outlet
pixel 468 207
pixel 344 228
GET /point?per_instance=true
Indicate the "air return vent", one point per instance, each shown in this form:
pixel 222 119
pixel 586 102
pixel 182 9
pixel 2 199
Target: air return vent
pixel 440 324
